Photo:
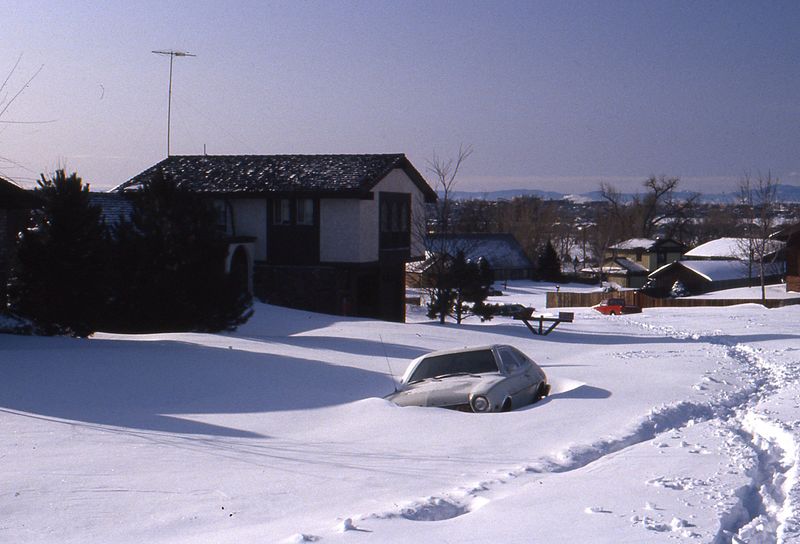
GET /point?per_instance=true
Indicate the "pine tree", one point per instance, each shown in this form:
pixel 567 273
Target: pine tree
pixel 59 278
pixel 549 263
pixel 171 259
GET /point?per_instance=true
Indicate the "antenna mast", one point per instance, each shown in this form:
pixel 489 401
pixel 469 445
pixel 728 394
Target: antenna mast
pixel 172 54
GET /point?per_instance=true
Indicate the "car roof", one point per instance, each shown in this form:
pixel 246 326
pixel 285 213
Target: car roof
pixel 465 349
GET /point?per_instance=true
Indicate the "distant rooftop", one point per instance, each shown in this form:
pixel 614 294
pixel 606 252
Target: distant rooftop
pixel 500 250
pixel 635 243
pixel 726 248
pixel 729 269
pixel 114 207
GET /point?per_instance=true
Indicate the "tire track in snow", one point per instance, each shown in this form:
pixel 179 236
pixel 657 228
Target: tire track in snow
pixel 730 407
pixel 658 421
pixel 765 512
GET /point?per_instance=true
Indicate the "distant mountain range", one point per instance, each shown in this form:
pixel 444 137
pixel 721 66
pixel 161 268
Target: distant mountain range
pixel 786 193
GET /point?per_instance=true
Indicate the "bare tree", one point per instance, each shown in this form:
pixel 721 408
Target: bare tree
pixel 531 220
pixel 439 230
pixel 758 200
pixel 643 215
pixel 8 96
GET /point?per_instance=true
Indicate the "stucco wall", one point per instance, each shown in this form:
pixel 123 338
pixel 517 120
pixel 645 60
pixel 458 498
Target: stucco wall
pixel 349 230
pixel 343 236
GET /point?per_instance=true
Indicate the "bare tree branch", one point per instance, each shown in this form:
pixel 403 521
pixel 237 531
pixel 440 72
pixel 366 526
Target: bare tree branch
pixel 759 201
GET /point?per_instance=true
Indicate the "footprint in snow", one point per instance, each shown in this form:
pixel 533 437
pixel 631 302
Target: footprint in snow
pixel 596 510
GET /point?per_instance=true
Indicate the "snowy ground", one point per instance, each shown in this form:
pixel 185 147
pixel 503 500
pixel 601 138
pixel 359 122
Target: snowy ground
pixel 669 425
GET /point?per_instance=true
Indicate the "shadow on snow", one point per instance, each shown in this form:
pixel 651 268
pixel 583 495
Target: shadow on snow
pixel 147 385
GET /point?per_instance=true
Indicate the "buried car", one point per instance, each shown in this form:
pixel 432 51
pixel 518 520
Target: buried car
pixel 493 378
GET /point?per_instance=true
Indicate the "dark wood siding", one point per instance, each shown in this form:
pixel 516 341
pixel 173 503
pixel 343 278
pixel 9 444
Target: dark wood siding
pixel 290 243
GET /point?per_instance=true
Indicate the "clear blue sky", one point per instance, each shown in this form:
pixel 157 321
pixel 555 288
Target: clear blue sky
pixel 551 95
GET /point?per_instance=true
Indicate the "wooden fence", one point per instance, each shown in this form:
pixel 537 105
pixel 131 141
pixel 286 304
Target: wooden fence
pixel 565 299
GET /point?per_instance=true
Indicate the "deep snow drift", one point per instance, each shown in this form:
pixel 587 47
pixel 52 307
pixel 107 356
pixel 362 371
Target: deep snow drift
pixel 670 424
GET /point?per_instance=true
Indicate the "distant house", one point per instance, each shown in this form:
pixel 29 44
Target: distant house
pixel 625 272
pixel 502 252
pixel 706 275
pixel 15 206
pixel 328 233
pixel 718 264
pixel 628 263
pixel 791 237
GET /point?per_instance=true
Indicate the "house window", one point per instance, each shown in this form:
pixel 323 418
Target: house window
pixel 281 212
pixel 305 211
pixel 395 220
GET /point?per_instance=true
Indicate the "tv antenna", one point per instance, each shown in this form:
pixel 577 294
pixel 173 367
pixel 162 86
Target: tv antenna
pixel 172 54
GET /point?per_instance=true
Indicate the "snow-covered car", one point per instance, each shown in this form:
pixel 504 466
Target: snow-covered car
pixel 493 378
pixel 616 306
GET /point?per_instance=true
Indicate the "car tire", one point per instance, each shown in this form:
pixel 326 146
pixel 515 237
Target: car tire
pixel 542 391
pixel 612 313
pixel 506 406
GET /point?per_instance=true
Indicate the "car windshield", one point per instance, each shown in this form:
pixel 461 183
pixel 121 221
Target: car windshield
pixel 468 362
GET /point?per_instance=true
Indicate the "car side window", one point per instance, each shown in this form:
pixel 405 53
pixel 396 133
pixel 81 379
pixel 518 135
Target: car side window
pixel 511 361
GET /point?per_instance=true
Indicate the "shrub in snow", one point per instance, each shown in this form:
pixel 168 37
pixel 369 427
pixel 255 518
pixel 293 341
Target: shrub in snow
pixel 678 290
pixel 461 289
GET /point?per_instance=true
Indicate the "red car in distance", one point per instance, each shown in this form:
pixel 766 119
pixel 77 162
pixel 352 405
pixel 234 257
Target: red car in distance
pixel 616 306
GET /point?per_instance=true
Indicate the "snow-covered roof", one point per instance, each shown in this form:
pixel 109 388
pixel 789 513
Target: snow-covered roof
pixel 635 243
pixel 726 248
pixel 723 270
pixel 500 250
pixel 629 265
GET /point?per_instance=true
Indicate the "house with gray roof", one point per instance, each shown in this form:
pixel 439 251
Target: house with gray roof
pixel 327 233
pixel 502 252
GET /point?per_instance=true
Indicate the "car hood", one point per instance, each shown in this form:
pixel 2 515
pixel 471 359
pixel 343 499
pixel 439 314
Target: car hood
pixel 451 391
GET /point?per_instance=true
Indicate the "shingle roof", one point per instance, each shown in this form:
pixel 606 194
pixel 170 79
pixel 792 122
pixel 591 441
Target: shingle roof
pixel 262 174
pixel 114 207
